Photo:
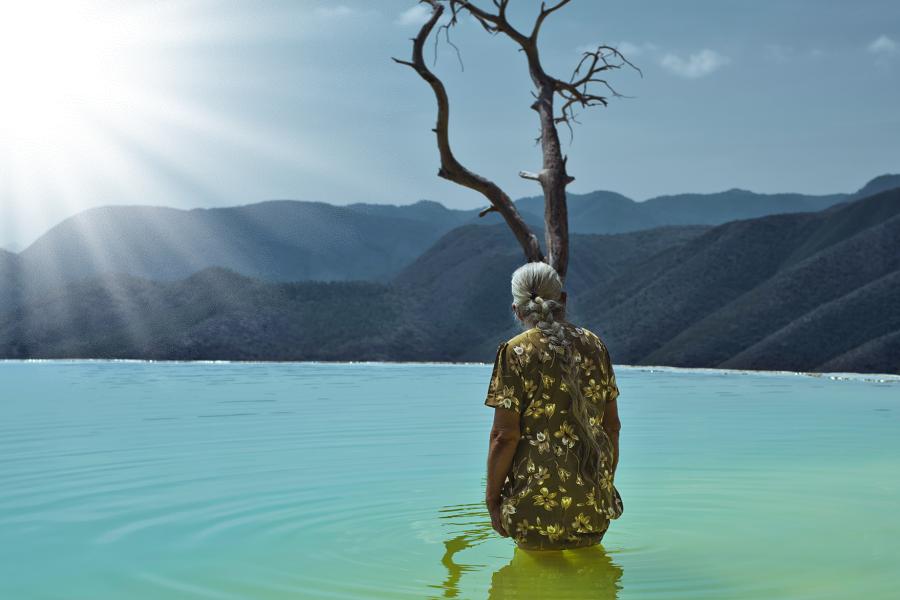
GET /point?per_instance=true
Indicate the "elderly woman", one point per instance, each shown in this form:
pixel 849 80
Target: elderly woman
pixel 554 443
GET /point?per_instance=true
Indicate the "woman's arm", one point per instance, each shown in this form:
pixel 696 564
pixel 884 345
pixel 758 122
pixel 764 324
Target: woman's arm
pixel 504 439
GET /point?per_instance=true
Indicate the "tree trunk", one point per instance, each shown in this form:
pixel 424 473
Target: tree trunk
pixel 553 179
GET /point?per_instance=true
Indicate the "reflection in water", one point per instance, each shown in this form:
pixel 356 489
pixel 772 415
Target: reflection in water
pixel 577 573
pixel 472 518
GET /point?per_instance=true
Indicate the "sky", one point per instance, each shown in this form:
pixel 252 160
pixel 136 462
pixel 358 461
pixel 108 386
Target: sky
pixel 199 103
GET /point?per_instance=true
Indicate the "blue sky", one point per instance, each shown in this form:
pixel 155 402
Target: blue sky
pixel 216 104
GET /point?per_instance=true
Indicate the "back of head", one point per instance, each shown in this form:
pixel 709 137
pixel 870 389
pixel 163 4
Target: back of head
pixel 537 293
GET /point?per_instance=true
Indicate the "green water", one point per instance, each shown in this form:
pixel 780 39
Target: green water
pixel 134 480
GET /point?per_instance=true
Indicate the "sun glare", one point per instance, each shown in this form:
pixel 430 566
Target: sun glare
pixel 59 63
pixel 115 102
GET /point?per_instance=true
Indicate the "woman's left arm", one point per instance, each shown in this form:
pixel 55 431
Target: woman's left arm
pixel 504 439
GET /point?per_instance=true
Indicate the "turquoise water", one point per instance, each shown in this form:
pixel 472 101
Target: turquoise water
pixel 135 480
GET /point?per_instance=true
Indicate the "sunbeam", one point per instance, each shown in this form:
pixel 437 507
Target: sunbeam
pixel 115 103
pixel 56 60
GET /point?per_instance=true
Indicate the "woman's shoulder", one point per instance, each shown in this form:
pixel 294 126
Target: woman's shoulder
pixel 531 347
pixel 525 342
pixel 527 348
pixel 590 341
pixel 535 336
pixel 592 336
pixel 531 335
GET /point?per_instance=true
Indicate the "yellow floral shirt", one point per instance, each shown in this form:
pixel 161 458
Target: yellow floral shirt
pixel 546 504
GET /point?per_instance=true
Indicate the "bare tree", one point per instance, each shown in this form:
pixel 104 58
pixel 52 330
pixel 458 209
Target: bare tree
pixel 577 91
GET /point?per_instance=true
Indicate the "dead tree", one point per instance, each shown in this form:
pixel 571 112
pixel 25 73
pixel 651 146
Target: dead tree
pixel 578 91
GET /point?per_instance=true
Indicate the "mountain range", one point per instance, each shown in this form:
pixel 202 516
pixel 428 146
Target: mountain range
pixel 734 280
pixel 290 240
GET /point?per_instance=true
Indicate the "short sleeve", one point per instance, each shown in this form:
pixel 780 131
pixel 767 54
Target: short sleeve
pixel 507 388
pixel 600 385
pixel 608 376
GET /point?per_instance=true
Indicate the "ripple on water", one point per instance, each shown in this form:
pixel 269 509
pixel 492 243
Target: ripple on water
pixel 339 481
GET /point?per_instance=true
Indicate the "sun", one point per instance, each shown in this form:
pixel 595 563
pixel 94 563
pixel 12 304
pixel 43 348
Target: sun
pixel 72 75
pixel 60 63
pixel 81 83
pixel 135 102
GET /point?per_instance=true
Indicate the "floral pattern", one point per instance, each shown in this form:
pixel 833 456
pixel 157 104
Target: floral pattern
pixel 546 504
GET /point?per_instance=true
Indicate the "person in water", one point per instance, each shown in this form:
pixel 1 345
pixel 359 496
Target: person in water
pixel 554 442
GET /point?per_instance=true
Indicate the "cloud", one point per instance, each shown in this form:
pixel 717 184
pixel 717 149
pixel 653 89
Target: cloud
pixel 338 11
pixel 696 65
pixel 884 46
pixel 629 49
pixel 414 15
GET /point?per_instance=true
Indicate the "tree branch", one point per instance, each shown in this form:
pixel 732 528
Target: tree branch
pixel 493 23
pixel 577 91
pixel 450 168
pixel 545 12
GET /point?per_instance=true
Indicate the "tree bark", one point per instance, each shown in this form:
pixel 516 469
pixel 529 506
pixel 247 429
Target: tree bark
pixel 553 177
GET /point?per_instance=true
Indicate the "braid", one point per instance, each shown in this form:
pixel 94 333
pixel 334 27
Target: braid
pixel 549 326
pixel 547 314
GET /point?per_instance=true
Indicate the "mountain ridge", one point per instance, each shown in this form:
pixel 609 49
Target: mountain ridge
pixel 740 281
pixel 291 240
pixel 806 291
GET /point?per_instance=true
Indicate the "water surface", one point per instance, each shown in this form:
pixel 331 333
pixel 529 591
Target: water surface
pixel 309 480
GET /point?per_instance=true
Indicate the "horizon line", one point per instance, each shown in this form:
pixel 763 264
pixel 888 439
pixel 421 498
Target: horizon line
pixel 832 375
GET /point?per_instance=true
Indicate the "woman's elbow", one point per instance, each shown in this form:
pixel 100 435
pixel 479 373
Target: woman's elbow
pixel 503 437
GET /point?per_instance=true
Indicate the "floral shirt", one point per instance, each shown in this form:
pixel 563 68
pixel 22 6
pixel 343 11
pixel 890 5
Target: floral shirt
pixel 546 504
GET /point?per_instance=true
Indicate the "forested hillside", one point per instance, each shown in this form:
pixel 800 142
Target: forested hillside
pixel 811 291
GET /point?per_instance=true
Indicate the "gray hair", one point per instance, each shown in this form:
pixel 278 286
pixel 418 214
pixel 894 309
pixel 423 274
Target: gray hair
pixel 537 293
